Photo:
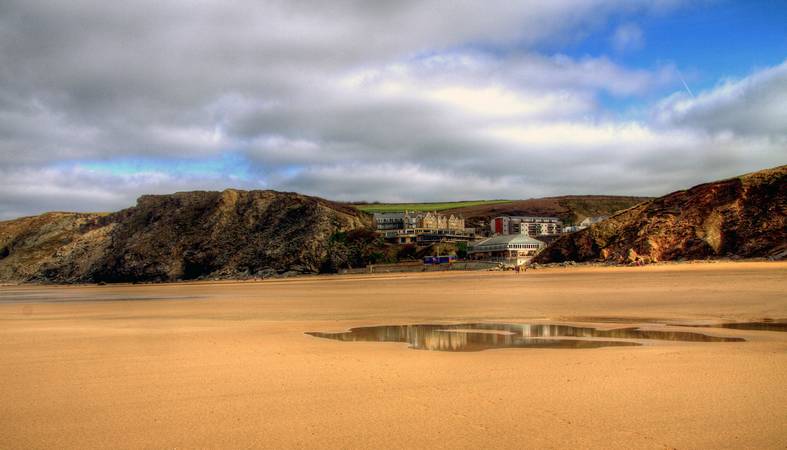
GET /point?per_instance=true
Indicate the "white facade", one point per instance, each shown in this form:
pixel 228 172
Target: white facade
pixel 526 225
pixel 516 249
pixel 588 221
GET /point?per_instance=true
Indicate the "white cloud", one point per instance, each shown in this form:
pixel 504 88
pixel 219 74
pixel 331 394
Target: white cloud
pixel 628 36
pixel 33 190
pixel 352 100
pixel 755 105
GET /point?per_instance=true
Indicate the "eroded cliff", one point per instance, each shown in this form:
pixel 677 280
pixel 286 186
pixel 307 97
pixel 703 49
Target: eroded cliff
pixel 187 235
pixel 738 217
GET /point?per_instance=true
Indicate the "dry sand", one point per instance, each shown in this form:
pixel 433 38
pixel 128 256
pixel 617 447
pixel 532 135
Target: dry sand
pixel 226 365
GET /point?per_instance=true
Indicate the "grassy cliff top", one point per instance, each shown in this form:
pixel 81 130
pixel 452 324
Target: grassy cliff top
pixel 438 206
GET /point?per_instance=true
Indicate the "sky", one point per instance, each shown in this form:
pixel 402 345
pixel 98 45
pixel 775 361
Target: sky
pixel 357 100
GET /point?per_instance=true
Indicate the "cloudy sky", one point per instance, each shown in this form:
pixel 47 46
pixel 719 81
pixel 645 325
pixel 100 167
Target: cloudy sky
pixel 103 101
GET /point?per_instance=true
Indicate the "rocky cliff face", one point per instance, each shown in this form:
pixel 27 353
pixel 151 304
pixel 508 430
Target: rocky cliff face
pixel 188 235
pixel 743 216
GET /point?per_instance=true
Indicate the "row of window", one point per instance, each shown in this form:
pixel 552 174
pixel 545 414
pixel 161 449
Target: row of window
pixel 497 248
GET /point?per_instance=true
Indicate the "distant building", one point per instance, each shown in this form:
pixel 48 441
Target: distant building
pixel 422 227
pixel 514 249
pixel 438 221
pixel 412 219
pixel 389 220
pixel 588 221
pixel 526 225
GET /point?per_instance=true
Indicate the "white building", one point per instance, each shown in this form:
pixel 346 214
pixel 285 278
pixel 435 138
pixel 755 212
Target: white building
pixel 514 249
pixel 588 221
pixel 526 225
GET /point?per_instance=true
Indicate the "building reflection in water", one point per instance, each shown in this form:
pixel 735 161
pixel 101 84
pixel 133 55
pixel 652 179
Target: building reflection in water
pixel 481 336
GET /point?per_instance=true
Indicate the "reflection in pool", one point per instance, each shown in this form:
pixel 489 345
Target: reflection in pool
pixel 482 336
pixel 766 324
pixel 756 326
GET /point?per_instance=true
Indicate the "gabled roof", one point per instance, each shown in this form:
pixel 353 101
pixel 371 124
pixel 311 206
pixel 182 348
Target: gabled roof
pixel 388 215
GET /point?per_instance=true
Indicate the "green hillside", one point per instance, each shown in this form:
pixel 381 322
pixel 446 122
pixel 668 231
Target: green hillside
pixel 395 207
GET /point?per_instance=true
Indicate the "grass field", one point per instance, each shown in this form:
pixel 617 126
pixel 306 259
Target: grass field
pixel 395 207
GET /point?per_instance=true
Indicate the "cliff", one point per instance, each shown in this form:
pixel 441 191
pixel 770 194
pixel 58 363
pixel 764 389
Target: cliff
pixel 738 217
pixel 187 235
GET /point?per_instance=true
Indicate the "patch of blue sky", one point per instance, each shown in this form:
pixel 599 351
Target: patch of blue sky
pixel 621 107
pixel 707 42
pixel 290 171
pixel 227 165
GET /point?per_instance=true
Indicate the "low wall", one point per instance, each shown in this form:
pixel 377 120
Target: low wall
pixel 418 266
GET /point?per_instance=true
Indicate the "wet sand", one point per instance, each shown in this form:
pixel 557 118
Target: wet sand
pixel 227 365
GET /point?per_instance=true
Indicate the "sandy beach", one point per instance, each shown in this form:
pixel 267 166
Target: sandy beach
pixel 228 365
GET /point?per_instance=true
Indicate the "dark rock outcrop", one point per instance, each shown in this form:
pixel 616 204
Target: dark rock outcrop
pixel 187 235
pixel 739 217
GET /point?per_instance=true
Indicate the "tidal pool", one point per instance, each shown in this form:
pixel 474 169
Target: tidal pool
pixel 482 336
pixel 756 326
pixel 764 325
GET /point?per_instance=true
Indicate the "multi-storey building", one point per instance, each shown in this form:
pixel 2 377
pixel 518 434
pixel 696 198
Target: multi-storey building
pixel 422 227
pixel 389 221
pixel 526 225
pixel 412 219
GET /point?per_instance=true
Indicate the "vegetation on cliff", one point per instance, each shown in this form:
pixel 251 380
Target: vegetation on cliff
pixel 377 207
pixel 187 235
pixel 239 234
pixel 744 216
pixel 571 209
